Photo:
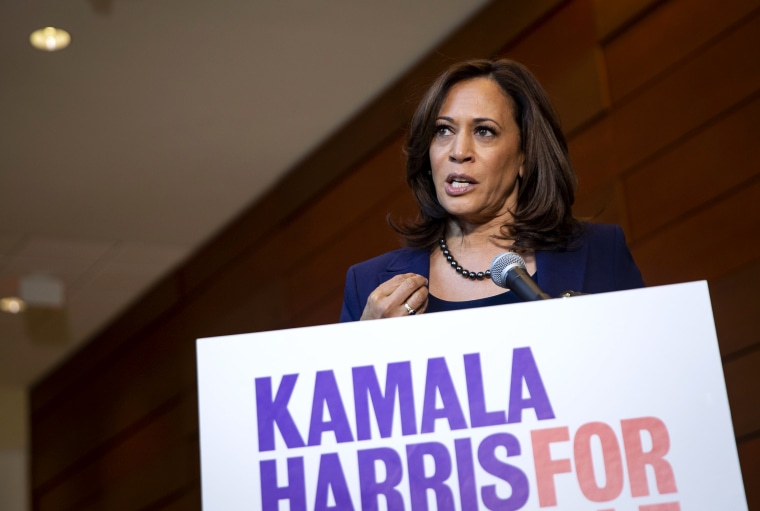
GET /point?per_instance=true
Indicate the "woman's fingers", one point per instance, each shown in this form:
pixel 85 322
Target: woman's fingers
pixel 388 299
pixel 417 301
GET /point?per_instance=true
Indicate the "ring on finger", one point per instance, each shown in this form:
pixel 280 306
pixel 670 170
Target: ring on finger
pixel 411 311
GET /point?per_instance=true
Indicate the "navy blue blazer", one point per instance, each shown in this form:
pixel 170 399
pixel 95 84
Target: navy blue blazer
pixel 599 263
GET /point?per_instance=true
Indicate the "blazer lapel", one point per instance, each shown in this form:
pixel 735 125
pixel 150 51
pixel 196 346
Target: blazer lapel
pixel 408 261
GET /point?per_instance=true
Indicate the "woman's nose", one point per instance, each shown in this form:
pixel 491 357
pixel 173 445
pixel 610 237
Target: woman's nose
pixel 461 149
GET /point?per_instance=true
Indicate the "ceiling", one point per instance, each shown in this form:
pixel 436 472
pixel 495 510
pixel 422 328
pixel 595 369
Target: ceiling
pixel 164 119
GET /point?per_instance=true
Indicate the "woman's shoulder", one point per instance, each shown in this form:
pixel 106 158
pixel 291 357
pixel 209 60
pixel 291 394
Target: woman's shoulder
pixel 597 233
pixel 600 229
pixel 394 261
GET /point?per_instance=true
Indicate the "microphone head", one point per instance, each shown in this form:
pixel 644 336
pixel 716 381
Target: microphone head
pixel 501 264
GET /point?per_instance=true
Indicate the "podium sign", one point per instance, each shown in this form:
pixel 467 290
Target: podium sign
pixel 601 402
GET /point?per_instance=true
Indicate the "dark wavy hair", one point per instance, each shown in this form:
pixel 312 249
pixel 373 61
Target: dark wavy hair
pixel 543 218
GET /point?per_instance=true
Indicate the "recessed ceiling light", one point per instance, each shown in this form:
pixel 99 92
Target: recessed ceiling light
pixel 12 305
pixel 50 39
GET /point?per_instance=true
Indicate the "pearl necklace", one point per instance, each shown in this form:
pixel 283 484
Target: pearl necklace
pixel 457 268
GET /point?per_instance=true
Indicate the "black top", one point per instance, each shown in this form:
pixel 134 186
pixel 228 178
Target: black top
pixel 435 304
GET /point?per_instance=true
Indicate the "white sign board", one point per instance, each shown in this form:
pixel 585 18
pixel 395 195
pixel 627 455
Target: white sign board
pixel 601 402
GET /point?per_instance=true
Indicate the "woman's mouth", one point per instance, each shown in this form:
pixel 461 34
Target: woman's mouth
pixel 459 184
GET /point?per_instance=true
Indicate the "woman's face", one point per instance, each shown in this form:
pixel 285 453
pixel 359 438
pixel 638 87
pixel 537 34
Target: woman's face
pixel 475 153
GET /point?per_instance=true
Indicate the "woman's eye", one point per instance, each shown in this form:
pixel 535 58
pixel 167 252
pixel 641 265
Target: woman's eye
pixel 483 131
pixel 442 129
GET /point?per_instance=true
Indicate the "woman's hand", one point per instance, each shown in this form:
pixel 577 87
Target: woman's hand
pixel 402 295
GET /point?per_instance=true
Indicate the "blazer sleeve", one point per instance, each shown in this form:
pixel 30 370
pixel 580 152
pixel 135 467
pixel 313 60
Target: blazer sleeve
pixel 351 310
pixel 626 273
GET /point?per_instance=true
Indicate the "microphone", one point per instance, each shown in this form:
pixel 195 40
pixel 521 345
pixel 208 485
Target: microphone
pixel 508 271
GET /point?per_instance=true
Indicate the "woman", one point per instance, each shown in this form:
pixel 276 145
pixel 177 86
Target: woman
pixel 488 165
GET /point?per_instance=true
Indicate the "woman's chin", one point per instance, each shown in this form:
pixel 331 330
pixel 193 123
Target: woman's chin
pixel 461 211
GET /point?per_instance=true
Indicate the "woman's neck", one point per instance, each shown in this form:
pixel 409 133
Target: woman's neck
pixel 473 246
pixel 482 237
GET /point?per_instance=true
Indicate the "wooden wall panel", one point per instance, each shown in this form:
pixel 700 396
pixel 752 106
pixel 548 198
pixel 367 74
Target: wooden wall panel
pixel 376 237
pixel 263 305
pixel 170 429
pixel 563 54
pixel 691 249
pixel 368 187
pixel 742 382
pixel 702 167
pixel 605 204
pixel 167 478
pixel 188 500
pixel 265 288
pixel 613 15
pixel 749 454
pixel 325 312
pixel 596 168
pixel 735 303
pixel 679 102
pixel 667 36
pixel 68 431
pixel 710 82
